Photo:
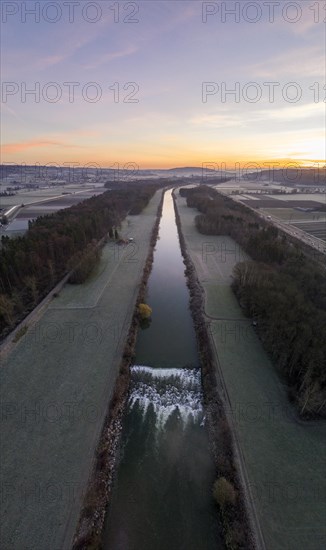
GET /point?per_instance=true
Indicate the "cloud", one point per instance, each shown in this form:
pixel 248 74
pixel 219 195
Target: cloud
pixel 12 148
pixel 64 45
pixel 8 110
pixel 247 118
pixel 106 58
pixel 291 113
pixel 307 62
pixel 296 153
pixel 219 121
pixel 311 18
pixel 18 62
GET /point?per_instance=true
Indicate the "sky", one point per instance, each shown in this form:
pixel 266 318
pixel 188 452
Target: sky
pixel 151 83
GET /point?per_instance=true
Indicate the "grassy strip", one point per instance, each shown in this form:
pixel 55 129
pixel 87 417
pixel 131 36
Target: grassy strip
pixel 89 529
pixel 235 519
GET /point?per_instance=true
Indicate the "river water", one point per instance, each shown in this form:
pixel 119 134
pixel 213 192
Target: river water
pixel 162 496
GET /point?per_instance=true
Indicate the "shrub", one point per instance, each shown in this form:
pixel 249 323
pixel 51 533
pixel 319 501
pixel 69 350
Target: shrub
pixel 144 311
pixel 7 309
pixel 224 492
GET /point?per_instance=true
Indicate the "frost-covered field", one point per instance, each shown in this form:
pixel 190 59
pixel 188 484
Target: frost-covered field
pixel 291 214
pixel 56 385
pixel 27 197
pixel 285 459
pixel 318 197
pixel 32 204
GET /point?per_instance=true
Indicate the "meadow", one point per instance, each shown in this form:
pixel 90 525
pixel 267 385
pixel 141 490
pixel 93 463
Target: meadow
pixel 28 196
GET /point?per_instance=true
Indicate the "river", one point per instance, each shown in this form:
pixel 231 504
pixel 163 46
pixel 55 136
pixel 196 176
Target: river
pixel 162 496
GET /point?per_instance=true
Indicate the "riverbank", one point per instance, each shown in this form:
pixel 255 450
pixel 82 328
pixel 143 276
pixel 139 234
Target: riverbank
pixel 283 461
pixel 57 382
pixel 240 528
pixel 92 516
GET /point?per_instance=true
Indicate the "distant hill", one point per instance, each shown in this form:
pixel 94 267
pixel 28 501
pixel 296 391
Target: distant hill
pixel 290 177
pixel 196 171
pixel 187 171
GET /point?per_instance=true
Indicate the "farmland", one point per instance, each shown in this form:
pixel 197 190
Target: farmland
pixel 313 223
pixel 56 385
pixel 302 197
pixel 38 202
pixel 272 202
pixel 27 196
pixel 314 228
pixel 291 215
pixel 284 458
pixel 289 210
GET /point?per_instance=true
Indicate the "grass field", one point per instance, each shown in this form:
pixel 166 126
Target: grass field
pixel 223 296
pixel 26 197
pixel 303 197
pixel 285 459
pixel 55 388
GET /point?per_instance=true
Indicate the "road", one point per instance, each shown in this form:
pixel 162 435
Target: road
pixel 308 239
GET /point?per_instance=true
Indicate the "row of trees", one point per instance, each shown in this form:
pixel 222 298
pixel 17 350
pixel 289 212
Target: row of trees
pixel 281 288
pixel 31 265
pixel 83 263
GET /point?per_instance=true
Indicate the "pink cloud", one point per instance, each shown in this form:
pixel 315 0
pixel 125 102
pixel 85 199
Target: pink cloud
pixel 106 58
pixel 12 148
